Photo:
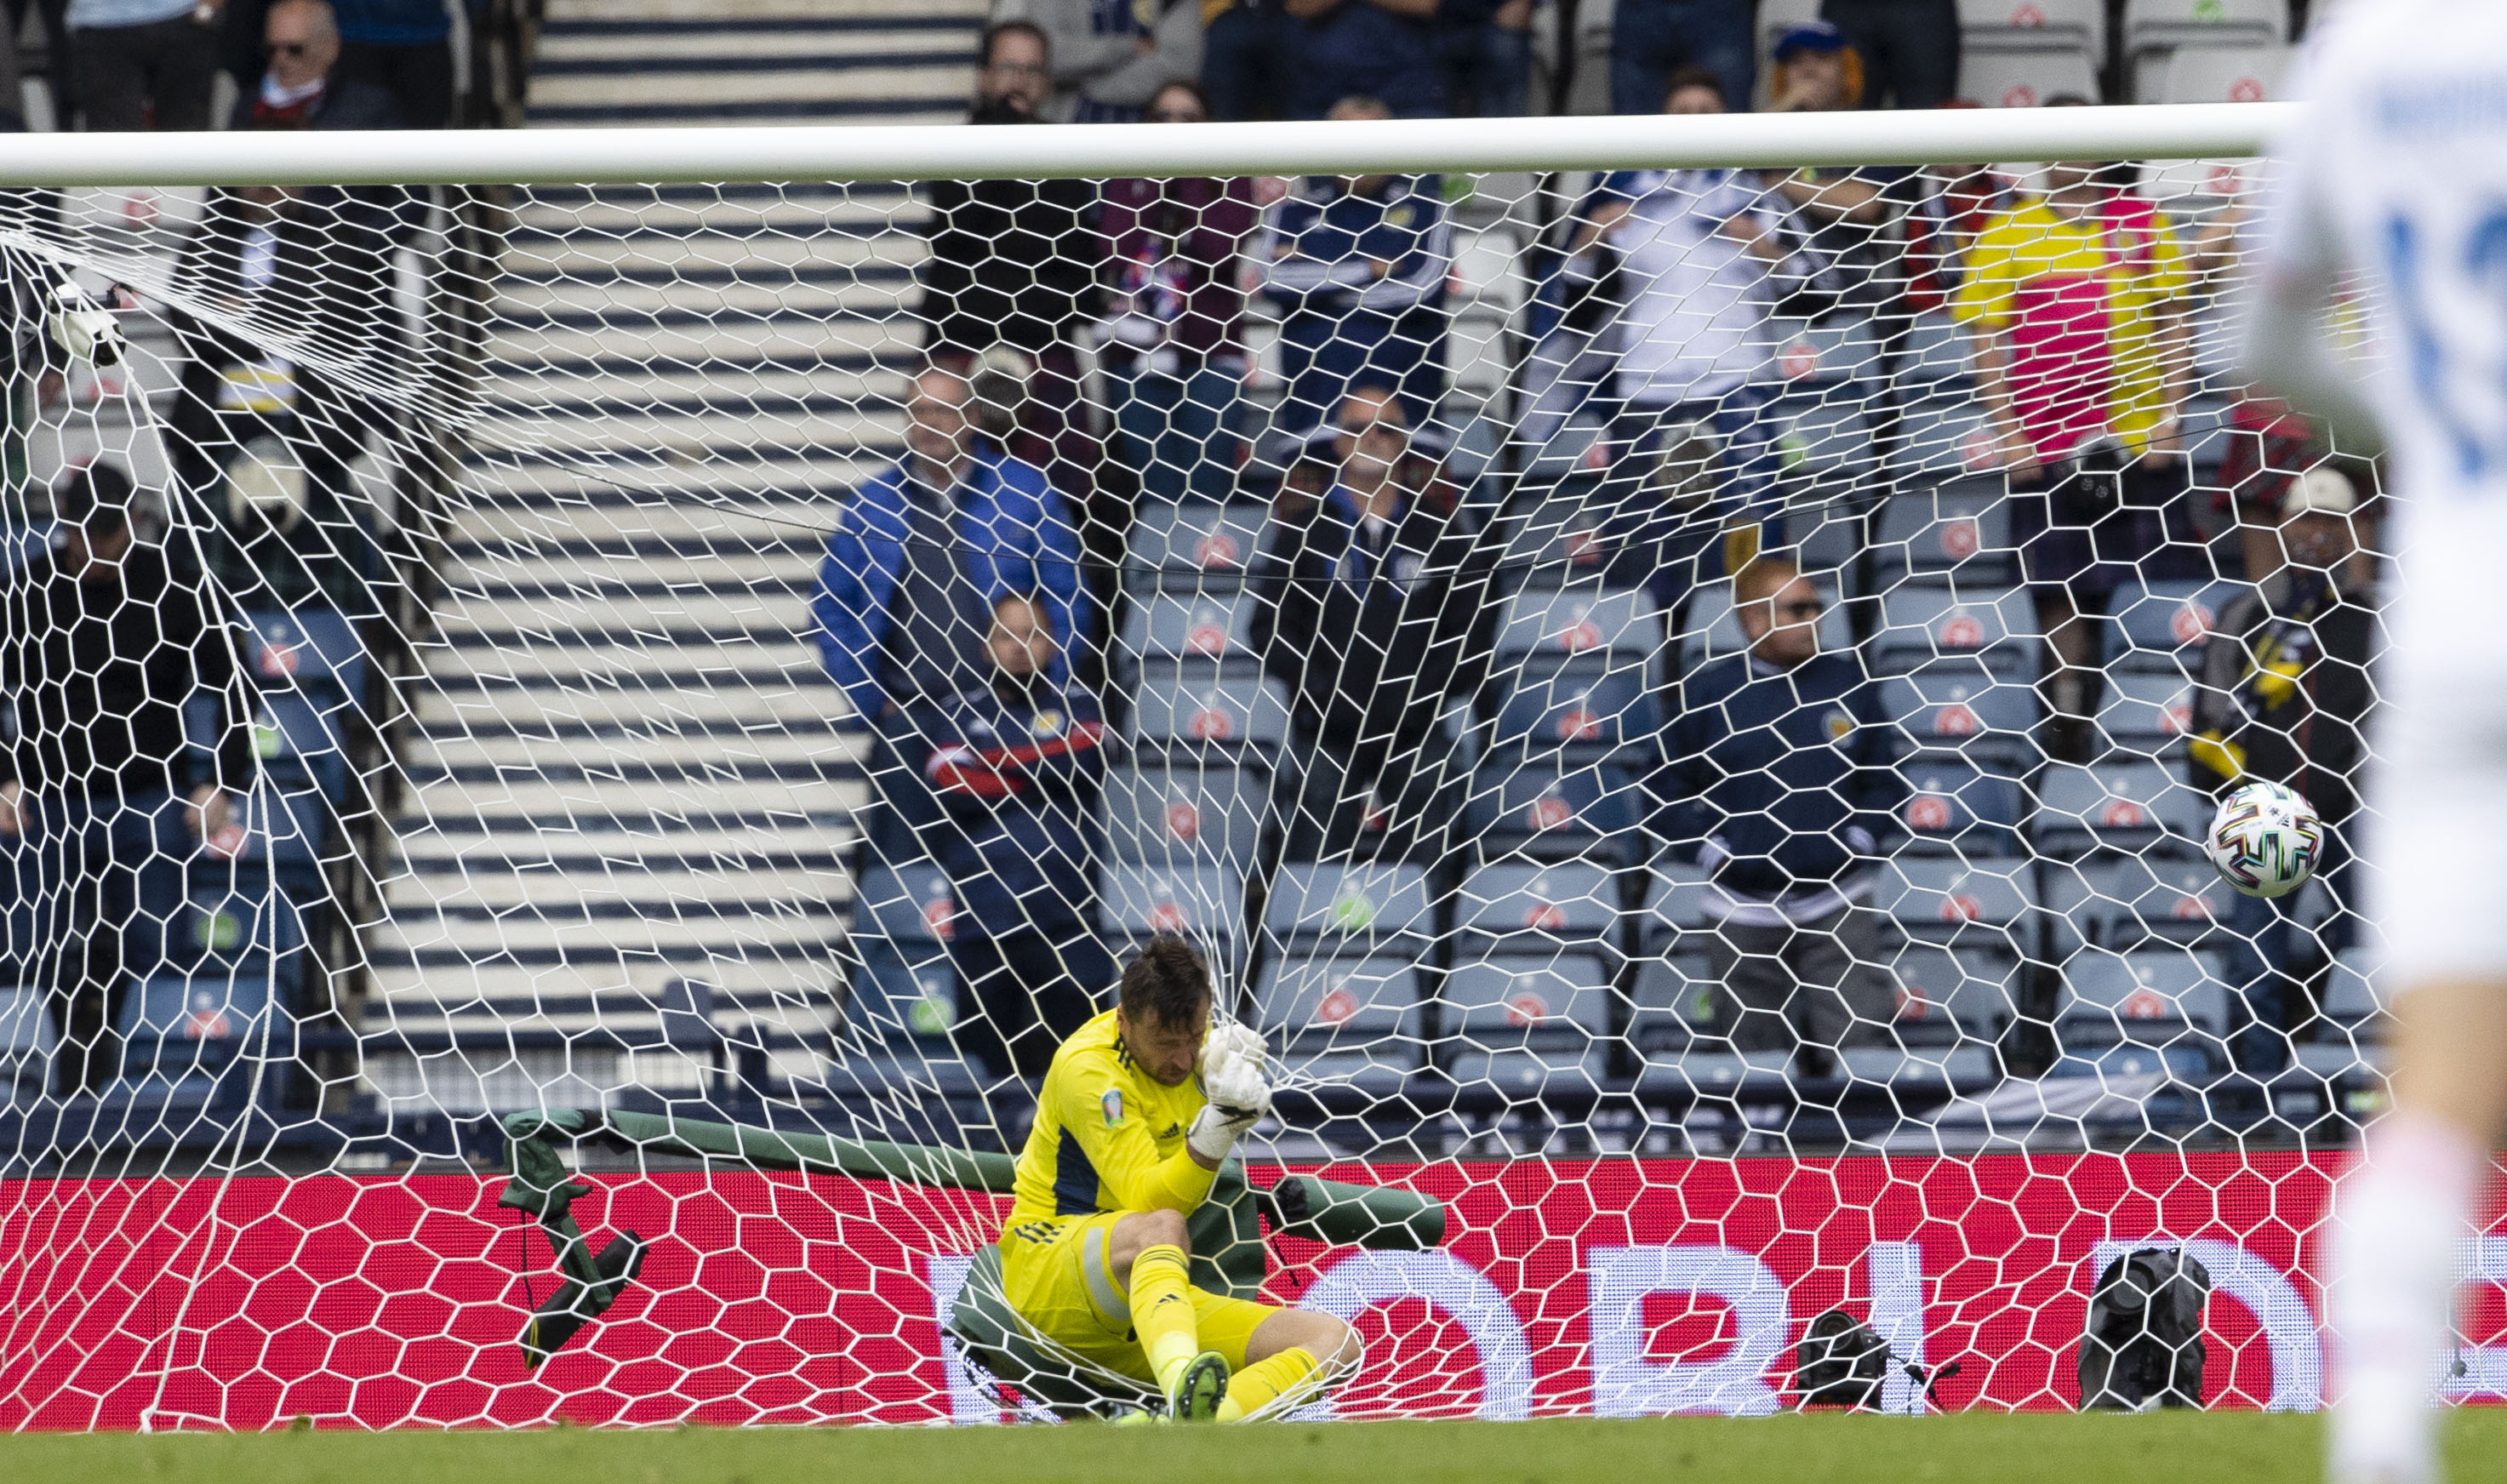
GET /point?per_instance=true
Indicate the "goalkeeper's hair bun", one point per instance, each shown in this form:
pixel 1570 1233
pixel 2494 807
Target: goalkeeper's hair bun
pixel 1166 984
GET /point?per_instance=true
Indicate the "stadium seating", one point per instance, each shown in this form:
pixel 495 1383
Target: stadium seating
pixel 2172 999
pixel 1548 814
pixel 2129 806
pixel 2023 26
pixel 2353 1023
pixel 1519 908
pixel 1183 812
pixel 1673 916
pixel 1957 715
pixel 1944 434
pixel 179 1034
pixel 1953 806
pixel 2147 714
pixel 2157 33
pixel 1347 1022
pixel 1529 1027
pixel 905 907
pixel 2121 902
pixel 2000 79
pixel 1205 902
pixel 1201 626
pixel 1342 910
pixel 2160 628
pixel 1583 711
pixel 2215 74
pixel 1991 630
pixel 1584 622
pixel 1988 906
pixel 1195 548
pixel 1952 996
pixel 1957 532
pixel 1190 709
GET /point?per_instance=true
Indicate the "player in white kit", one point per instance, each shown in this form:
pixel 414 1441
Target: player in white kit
pixel 2399 174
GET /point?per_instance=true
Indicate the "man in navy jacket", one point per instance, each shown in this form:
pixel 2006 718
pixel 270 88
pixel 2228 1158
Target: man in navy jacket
pixel 1356 268
pixel 1779 776
pixel 1016 769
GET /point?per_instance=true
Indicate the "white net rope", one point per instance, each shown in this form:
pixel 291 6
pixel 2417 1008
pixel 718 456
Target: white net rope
pixel 768 652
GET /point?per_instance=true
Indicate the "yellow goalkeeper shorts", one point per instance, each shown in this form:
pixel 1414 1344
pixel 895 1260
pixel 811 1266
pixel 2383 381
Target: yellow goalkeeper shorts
pixel 1057 1275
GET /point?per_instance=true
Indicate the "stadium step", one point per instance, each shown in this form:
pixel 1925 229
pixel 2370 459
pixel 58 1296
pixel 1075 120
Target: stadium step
pixel 614 63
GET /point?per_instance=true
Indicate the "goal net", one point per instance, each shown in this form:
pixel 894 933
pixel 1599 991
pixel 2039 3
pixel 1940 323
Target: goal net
pixel 575 749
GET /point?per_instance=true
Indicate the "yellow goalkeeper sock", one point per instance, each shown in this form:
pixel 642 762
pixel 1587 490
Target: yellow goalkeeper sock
pixel 1162 1313
pixel 1258 1385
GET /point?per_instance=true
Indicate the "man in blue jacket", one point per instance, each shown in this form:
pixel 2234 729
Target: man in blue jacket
pixel 1016 769
pixel 923 553
pixel 1356 267
pixel 1779 776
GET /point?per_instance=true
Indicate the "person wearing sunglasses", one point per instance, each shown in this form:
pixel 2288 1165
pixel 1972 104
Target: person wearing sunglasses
pixel 301 38
pixel 1778 776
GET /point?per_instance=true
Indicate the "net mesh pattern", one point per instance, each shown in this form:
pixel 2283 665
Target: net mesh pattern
pixel 768 652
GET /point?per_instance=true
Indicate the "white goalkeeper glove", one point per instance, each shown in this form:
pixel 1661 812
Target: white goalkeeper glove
pixel 1236 1080
pixel 85 331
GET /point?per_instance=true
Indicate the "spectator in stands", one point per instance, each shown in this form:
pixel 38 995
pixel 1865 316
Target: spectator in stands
pixel 141 65
pixel 1488 57
pixel 926 548
pixel 1909 50
pixel 1010 279
pixel 1018 765
pixel 1778 776
pixel 102 795
pixel 1111 59
pixel 1699 260
pixel 403 47
pixel 1831 218
pixel 1244 60
pixel 306 84
pixel 258 440
pixel 2076 301
pixel 1370 606
pixel 1652 39
pixel 1388 50
pixel 1356 267
pixel 2284 696
pixel 1174 354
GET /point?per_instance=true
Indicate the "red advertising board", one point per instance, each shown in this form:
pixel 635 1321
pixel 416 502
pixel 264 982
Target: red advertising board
pixel 1617 1287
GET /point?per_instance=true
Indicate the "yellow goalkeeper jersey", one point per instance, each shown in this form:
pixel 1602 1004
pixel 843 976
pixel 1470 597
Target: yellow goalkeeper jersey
pixel 1108 1137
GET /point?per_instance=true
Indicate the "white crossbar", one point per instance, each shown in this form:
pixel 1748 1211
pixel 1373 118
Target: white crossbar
pixel 663 155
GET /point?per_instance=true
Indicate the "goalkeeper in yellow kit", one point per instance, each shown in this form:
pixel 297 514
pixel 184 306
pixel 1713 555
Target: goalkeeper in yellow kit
pixel 1139 1109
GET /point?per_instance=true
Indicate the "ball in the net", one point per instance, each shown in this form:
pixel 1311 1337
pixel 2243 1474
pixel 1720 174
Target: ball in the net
pixel 2265 839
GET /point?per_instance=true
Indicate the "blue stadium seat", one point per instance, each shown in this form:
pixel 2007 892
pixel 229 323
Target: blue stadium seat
pixel 1528 1026
pixel 2160 628
pixel 1184 812
pixel 1585 621
pixel 312 649
pixel 1576 707
pixel 1835 352
pixel 1350 909
pixel 1195 548
pixel 1549 814
pixel 275 833
pixel 1953 806
pixel 1351 1022
pixel 179 1034
pixel 1188 625
pixel 1198 710
pixel 1674 914
pixel 1946 434
pixel 1949 994
pixel 1824 438
pixel 2128 805
pixel 1205 903
pixel 2147 714
pixel 27 1042
pixel 2123 901
pixel 1990 628
pixel 902 995
pixel 1519 908
pixel 911 907
pixel 233 934
pixel 1959 903
pixel 299 743
pixel 1958 531
pixel 1967 716
pixel 1936 353
pixel 1672 1005
pixel 2173 1000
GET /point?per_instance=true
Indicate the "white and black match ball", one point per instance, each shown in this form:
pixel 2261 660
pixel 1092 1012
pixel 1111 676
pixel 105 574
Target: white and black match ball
pixel 2265 839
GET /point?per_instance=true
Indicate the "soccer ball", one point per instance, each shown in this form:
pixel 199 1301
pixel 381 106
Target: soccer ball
pixel 2266 840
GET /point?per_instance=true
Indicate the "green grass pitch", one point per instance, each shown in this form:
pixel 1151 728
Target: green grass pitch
pixel 2194 1448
